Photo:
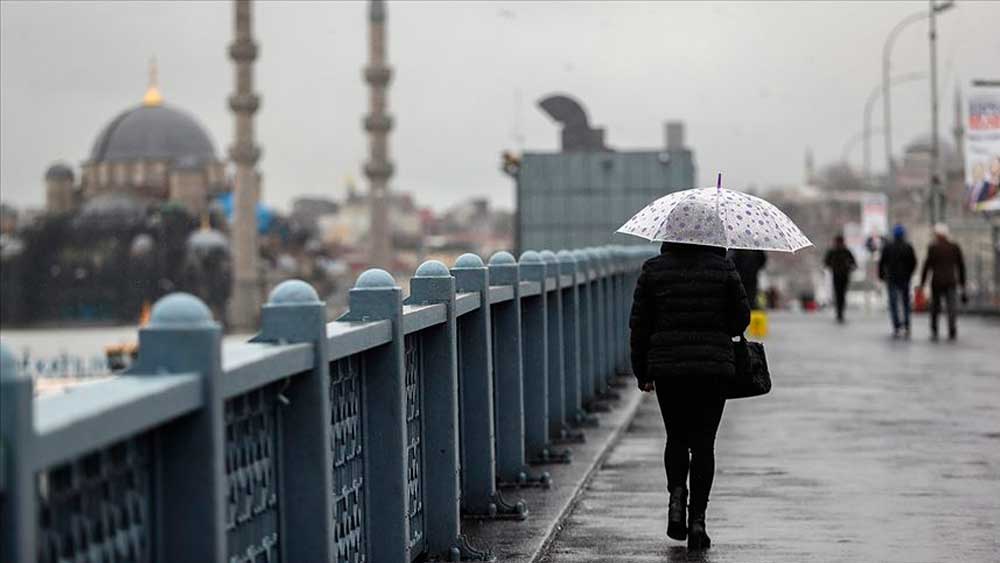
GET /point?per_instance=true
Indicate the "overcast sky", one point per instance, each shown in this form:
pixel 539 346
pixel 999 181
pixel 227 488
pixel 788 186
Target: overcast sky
pixel 756 83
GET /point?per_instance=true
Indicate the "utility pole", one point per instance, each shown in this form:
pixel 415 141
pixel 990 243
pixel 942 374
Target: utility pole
pixel 935 172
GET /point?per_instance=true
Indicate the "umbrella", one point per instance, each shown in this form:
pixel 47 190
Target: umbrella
pixel 717 217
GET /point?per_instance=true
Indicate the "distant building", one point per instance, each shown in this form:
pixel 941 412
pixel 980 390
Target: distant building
pixel 150 153
pixel 123 230
pixel 580 195
pixel 350 225
pixel 909 200
pixel 306 211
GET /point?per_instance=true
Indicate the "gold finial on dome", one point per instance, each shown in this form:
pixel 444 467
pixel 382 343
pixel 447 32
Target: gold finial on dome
pixel 153 96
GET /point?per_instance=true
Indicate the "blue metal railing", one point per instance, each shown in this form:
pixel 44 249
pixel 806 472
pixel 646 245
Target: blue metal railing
pixel 364 439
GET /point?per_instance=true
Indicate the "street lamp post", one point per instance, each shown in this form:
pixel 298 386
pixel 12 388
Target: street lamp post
pixel 867 127
pixel 936 211
pixel 887 95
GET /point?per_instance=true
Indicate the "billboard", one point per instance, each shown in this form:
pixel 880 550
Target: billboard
pixel 982 146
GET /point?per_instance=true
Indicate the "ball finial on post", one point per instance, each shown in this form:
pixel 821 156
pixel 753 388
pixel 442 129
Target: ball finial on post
pixel 180 310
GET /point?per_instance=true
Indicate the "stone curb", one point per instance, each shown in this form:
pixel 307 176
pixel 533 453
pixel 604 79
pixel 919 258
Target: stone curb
pixel 631 408
pixel 528 541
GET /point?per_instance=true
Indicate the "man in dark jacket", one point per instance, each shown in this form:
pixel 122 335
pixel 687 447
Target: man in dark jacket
pixel 841 263
pixel 749 263
pixel 688 304
pixel 895 268
pixel 947 268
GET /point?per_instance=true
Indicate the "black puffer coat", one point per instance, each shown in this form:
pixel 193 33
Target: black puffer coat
pixel 689 303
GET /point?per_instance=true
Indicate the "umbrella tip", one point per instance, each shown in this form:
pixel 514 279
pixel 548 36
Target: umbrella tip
pixel 718 181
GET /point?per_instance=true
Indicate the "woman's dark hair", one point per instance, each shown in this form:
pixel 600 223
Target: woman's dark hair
pixel 680 247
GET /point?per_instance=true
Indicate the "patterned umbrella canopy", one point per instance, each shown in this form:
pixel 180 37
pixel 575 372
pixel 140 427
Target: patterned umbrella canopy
pixel 717 217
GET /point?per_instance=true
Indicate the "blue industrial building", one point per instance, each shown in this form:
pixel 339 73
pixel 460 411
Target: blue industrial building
pixel 580 195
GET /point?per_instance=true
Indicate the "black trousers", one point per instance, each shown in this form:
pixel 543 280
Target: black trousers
pixel 840 284
pixel 691 416
pixel 948 296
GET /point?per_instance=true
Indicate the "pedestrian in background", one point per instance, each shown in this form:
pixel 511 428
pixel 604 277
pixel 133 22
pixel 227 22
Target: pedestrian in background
pixel 895 268
pixel 841 263
pixel 689 302
pixel 749 263
pixel 945 265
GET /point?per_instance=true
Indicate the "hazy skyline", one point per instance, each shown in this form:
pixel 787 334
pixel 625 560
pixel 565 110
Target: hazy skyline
pixel 755 83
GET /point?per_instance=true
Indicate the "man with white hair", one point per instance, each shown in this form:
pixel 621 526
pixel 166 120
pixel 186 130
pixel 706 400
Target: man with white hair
pixel 947 268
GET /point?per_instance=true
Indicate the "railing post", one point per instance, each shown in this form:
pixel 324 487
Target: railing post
pixel 599 333
pixel 480 498
pixel 559 430
pixel 607 340
pixel 632 267
pixel 585 319
pixel 570 297
pixel 294 313
pixel 611 313
pixel 181 337
pixel 534 338
pixel 625 271
pixel 434 284
pixel 508 383
pixel 610 334
pixel 616 304
pixel 376 297
pixel 616 309
pixel 19 519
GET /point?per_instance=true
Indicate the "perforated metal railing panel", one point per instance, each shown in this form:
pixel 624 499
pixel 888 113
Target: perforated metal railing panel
pixel 348 460
pixel 461 401
pixel 98 507
pixel 414 443
pixel 251 475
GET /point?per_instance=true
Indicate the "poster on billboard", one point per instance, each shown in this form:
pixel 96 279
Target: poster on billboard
pixel 982 145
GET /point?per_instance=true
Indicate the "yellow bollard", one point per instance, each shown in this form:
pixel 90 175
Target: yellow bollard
pixel 758 324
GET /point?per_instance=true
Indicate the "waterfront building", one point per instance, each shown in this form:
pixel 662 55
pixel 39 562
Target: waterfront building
pixel 581 194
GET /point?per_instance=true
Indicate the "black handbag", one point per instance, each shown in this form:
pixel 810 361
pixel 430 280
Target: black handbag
pixel 752 377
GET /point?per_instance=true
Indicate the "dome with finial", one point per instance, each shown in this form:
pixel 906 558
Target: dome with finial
pixel 153 131
pixel 59 171
pixel 922 144
pixel 207 240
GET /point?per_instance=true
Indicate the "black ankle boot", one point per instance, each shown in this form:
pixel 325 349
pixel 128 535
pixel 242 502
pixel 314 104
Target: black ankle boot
pixel 697 536
pixel 676 514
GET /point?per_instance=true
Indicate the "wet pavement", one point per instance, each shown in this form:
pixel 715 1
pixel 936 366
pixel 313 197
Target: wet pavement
pixel 867 449
pixel 514 541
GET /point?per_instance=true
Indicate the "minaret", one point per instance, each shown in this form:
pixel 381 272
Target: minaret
pixel 959 127
pixel 810 168
pixel 245 302
pixel 377 123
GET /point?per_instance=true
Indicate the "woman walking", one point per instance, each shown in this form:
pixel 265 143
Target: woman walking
pixel 688 306
pixel 689 302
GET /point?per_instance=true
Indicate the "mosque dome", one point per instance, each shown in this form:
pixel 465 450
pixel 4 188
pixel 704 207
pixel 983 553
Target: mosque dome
pixel 110 212
pixel 922 145
pixel 153 131
pixel 59 171
pixel 206 240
